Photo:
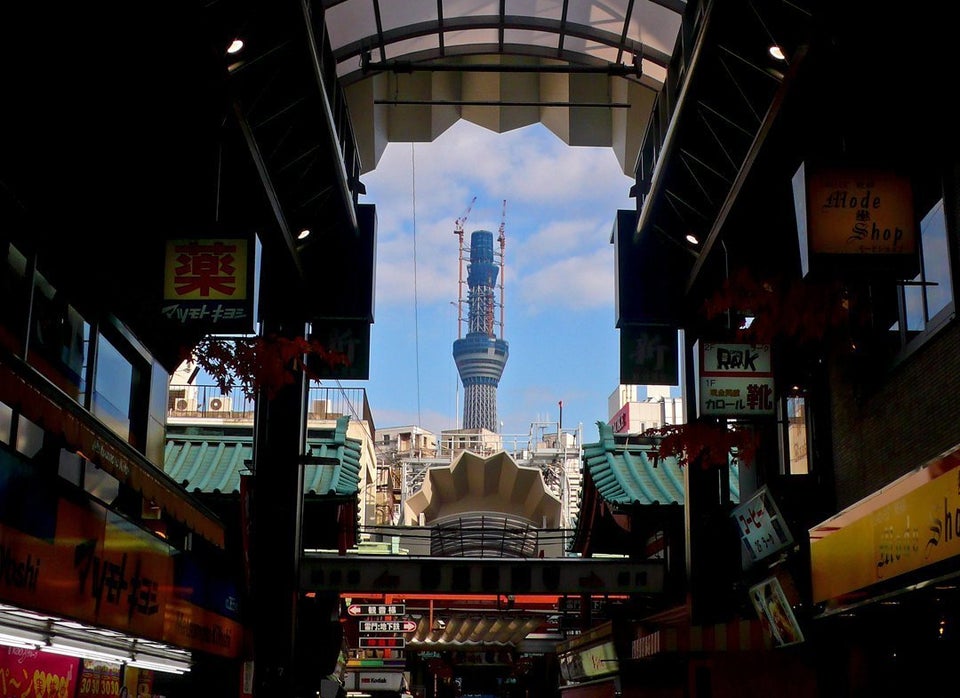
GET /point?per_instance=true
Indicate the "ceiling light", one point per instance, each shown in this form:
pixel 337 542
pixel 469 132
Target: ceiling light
pixel 692 239
pixel 303 234
pixel 777 52
pixel 84 651
pixel 170 666
pixel 235 47
pixel 21 638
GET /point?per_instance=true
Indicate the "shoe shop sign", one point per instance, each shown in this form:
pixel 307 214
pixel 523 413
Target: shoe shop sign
pixel 734 380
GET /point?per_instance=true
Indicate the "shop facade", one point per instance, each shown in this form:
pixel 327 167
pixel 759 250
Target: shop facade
pixel 110 575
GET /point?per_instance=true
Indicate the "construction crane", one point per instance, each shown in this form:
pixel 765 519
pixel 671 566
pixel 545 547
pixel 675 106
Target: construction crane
pixel 458 231
pixel 458 225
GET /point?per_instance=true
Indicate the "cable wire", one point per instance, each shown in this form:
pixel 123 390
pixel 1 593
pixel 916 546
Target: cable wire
pixel 416 309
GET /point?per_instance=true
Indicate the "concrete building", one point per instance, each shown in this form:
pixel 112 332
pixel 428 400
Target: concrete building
pixel 630 412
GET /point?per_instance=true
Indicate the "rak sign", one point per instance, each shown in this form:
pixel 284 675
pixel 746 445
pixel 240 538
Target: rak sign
pixel 734 380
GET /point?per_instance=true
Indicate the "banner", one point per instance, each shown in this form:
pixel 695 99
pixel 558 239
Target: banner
pixel 26 672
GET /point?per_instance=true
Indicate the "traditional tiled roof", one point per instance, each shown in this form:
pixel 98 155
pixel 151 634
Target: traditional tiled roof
pixel 209 462
pixel 625 473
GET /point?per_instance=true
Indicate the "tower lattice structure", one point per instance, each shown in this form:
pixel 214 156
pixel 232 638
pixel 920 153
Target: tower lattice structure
pixel 481 355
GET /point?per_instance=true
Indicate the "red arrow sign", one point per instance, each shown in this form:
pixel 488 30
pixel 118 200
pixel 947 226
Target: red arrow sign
pixel 387 626
pixel 374 609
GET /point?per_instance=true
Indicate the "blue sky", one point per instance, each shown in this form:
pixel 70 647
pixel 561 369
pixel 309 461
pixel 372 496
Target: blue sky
pixel 559 281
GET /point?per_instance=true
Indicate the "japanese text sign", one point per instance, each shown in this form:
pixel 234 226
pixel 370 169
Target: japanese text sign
pixel 209 283
pixel 761 526
pixel 734 379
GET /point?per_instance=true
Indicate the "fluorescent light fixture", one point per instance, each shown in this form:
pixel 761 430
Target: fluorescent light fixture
pixel 777 52
pixel 16 640
pixel 235 46
pixel 84 651
pixel 170 666
pixel 692 239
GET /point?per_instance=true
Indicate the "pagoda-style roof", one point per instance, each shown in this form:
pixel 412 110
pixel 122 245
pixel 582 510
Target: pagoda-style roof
pixel 625 487
pixel 208 461
pixel 628 473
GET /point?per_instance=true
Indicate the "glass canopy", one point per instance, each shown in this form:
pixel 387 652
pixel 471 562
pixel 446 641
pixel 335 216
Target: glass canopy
pixel 584 32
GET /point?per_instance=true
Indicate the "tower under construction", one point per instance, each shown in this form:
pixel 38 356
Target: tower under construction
pixel 481 354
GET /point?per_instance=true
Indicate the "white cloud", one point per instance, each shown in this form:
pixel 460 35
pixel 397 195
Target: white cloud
pixel 579 283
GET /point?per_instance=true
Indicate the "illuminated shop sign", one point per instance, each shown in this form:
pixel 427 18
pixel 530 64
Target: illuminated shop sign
pixel 855 220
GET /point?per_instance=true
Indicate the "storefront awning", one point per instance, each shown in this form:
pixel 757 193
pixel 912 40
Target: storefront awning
pixel 21 387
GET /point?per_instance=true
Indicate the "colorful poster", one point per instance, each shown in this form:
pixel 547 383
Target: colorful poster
pixel 775 612
pixel 26 672
pixel 99 680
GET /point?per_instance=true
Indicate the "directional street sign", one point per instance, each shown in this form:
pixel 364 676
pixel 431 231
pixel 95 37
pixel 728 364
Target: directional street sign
pixel 376 609
pixel 388 626
pixel 394 642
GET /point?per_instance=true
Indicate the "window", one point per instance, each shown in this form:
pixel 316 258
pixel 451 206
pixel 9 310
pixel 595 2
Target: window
pixel 794 433
pixel 112 388
pixel 927 300
pixel 15 292
pixel 58 339
pixel 6 422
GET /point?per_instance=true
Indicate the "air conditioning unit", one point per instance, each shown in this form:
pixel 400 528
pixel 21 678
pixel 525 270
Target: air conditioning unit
pixel 219 403
pixel 182 399
pixel 185 404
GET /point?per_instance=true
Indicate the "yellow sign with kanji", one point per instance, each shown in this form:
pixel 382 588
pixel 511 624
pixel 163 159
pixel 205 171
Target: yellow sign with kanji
pixel 205 270
pixel 208 283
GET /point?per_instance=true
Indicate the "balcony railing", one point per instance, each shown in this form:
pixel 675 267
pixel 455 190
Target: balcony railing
pixel 209 402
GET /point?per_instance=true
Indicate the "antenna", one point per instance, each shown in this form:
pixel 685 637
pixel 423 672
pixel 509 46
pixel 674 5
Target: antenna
pixel 501 238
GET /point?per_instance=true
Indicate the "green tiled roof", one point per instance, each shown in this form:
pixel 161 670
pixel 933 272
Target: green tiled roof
pixel 205 462
pixel 625 473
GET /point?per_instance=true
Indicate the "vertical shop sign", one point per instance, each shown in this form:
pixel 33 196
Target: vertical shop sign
pixel 649 355
pixel 208 284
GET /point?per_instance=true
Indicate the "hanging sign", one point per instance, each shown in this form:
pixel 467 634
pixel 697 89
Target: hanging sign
pixel 376 609
pixel 383 642
pixel 387 626
pixel 208 283
pixel 763 530
pixel 735 380
pixel 649 355
pixel 855 221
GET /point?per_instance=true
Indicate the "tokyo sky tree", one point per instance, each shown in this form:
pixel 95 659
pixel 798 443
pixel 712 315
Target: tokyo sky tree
pixel 481 355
